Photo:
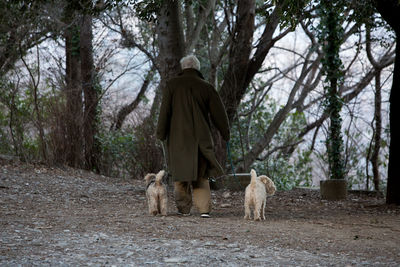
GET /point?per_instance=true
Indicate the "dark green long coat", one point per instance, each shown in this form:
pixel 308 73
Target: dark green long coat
pixel 187 104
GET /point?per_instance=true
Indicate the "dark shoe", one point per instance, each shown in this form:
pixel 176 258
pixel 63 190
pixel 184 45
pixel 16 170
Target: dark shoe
pixel 183 214
pixel 205 215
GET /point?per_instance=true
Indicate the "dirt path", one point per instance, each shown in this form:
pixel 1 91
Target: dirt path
pixel 67 217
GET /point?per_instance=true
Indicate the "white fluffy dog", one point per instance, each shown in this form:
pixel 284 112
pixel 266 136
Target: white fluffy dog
pixel 256 195
pixel 156 193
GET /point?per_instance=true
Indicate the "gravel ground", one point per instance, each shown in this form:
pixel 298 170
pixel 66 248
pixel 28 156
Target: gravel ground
pixel 68 217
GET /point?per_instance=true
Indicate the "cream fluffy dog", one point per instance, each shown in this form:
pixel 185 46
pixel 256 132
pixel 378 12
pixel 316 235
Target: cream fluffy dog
pixel 156 193
pixel 256 195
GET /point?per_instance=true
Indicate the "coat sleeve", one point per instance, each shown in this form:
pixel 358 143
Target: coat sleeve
pixel 218 114
pixel 164 118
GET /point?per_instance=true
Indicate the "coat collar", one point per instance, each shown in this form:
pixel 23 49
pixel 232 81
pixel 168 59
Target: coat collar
pixel 191 72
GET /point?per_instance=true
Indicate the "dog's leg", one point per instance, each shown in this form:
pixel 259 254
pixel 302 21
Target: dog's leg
pixel 149 203
pixel 263 210
pixel 246 209
pixel 164 205
pixel 257 210
pixel 153 210
pixel 247 212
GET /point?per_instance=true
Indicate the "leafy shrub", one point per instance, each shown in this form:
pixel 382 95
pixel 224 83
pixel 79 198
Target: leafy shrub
pixel 129 153
pixel 286 173
pixel 279 164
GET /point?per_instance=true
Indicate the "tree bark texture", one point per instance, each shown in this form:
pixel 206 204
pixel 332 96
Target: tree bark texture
pixel 233 87
pixel 393 184
pixel 378 131
pixel 91 94
pixel 74 105
pixel 390 10
pixel 171 47
pixel 170 40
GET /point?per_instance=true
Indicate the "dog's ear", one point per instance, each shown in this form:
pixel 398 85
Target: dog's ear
pixel 263 179
pixel 148 177
pixel 269 184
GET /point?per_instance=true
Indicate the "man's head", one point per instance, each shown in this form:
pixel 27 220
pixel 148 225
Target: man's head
pixel 190 62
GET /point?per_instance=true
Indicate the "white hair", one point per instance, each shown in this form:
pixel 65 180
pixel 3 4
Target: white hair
pixel 190 61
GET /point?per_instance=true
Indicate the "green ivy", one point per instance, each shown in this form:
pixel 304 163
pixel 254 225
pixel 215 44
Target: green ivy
pixel 330 37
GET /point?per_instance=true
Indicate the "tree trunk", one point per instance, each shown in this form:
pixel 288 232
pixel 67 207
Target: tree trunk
pixel 390 10
pixel 378 130
pixel 170 40
pixel 73 92
pixel 91 94
pixel 393 183
pixel 377 116
pixel 171 49
pixel 331 41
pixel 234 88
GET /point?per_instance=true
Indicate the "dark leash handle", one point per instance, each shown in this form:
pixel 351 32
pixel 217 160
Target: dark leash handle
pixel 166 177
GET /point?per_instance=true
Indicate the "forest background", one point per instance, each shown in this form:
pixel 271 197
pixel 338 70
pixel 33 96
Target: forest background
pixel 81 83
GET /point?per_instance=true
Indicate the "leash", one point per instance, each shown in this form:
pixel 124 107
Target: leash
pixel 165 163
pixel 164 155
pixel 228 148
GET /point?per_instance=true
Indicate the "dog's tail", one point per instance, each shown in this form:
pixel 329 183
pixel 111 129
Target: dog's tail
pixel 253 175
pixel 159 177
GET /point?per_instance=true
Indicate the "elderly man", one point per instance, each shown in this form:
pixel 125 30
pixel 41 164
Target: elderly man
pixel 188 103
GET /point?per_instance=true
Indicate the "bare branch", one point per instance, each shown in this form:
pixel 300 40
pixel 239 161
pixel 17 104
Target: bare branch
pixel 193 37
pixel 127 109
